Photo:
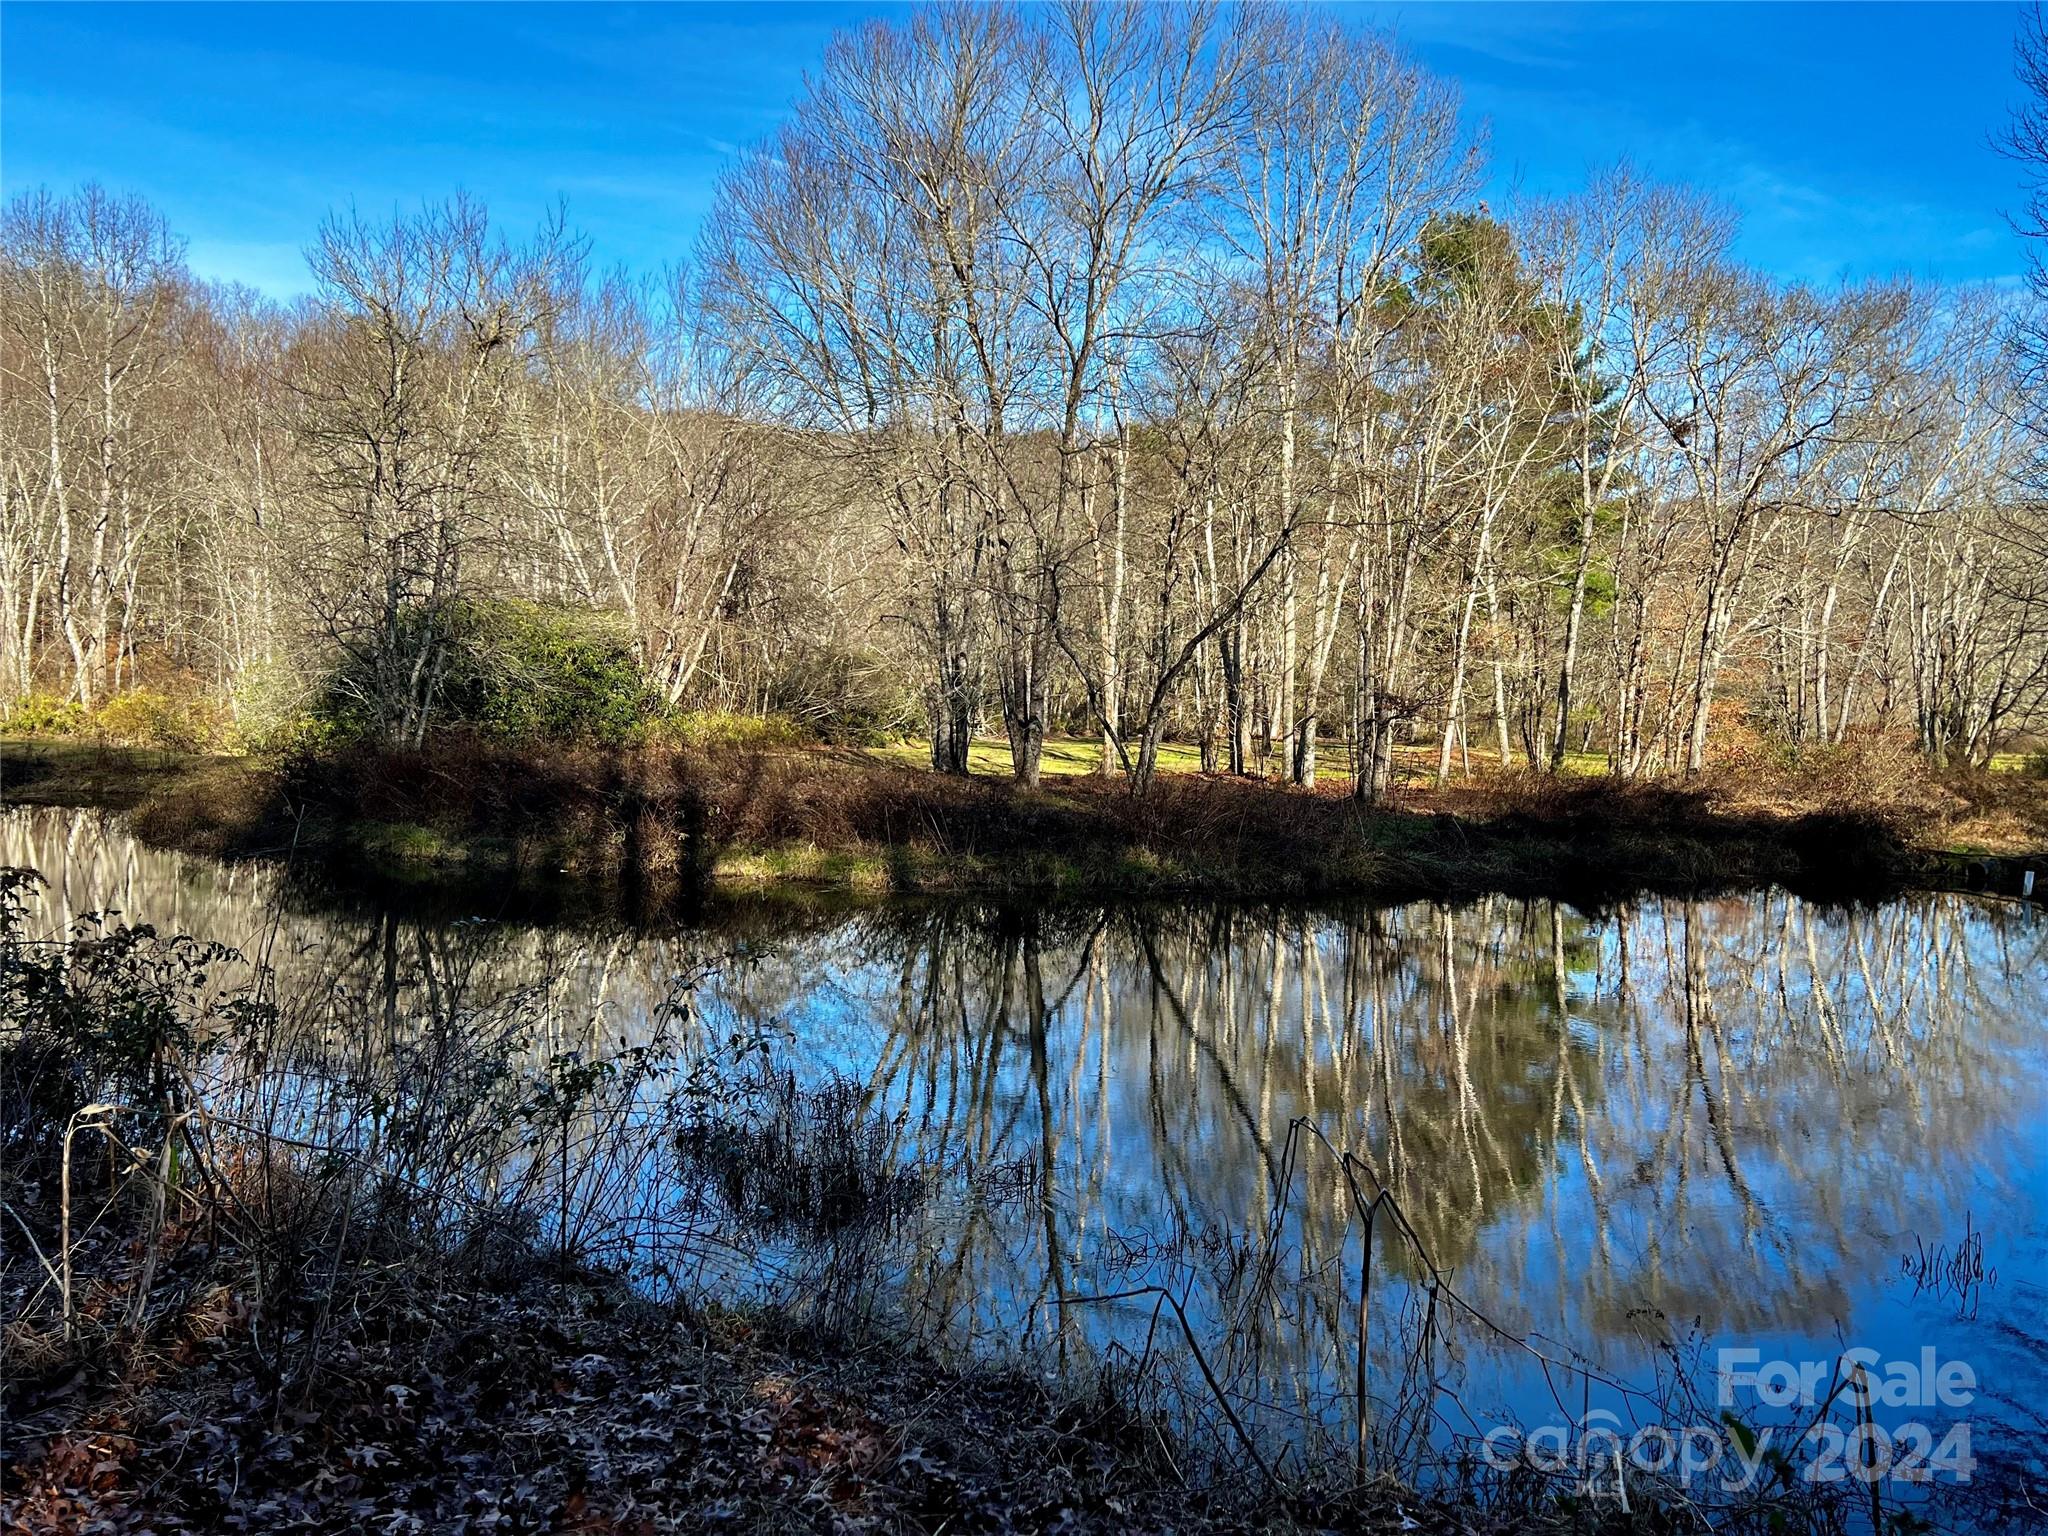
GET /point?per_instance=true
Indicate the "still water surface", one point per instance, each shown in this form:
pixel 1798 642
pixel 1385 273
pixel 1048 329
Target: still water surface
pixel 1624 1140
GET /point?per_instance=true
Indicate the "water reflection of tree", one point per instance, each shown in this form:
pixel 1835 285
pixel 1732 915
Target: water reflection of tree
pixel 1728 1109
pixel 1687 1110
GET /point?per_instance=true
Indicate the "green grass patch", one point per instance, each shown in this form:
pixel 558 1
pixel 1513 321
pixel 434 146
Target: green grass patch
pixel 407 842
pixel 1065 757
pixel 854 870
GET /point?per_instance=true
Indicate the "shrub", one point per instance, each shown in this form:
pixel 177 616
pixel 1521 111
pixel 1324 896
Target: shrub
pixel 272 708
pixel 109 1016
pixel 1874 772
pixel 142 717
pixel 145 717
pixel 843 696
pixel 515 671
pixel 718 728
pixel 43 714
pixel 289 737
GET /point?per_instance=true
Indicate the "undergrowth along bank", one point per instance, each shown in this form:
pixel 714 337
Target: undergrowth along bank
pixel 668 825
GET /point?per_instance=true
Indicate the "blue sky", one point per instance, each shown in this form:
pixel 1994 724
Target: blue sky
pixel 1852 138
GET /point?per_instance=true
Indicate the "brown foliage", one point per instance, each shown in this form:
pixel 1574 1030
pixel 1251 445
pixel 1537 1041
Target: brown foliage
pixel 657 821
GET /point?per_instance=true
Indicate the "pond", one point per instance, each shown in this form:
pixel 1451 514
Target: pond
pixel 1350 1180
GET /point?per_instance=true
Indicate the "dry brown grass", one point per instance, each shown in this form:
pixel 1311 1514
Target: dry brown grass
pixel 671 820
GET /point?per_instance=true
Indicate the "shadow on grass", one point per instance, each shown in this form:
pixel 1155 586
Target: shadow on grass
pixel 657 833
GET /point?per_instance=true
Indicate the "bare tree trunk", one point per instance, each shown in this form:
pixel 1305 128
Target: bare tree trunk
pixel 1574 616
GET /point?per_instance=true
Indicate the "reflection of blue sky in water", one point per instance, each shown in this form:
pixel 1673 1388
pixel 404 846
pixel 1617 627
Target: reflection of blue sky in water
pixel 1721 1121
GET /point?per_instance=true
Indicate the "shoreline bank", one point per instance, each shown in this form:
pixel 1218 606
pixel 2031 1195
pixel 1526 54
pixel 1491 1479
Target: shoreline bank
pixel 661 832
